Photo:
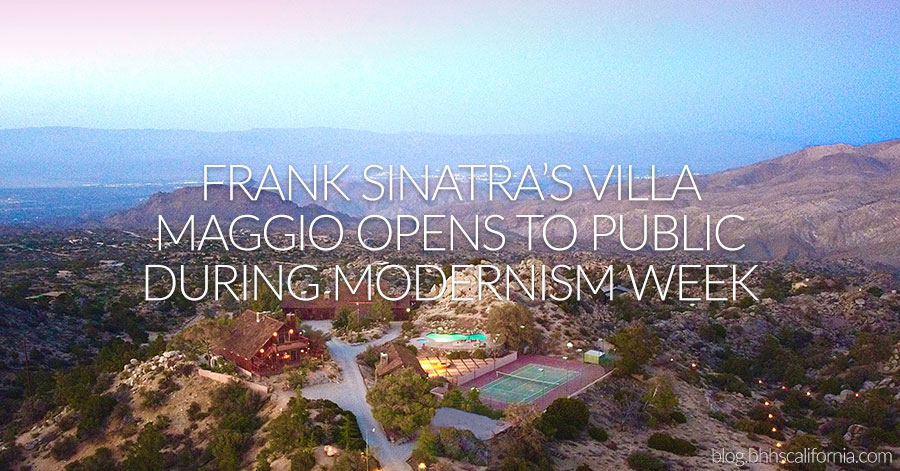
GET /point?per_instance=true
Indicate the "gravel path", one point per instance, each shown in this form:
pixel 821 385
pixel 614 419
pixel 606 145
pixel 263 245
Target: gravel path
pixel 350 394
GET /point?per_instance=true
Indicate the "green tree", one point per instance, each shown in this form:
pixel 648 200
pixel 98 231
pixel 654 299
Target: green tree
pixel 512 325
pixel 564 419
pixel 235 409
pixel 143 454
pixel 635 346
pixel 201 337
pixel 402 402
pixel 381 310
pixel 345 318
pixel 660 400
pixel 351 437
pixel 522 444
pixel 266 300
pixel 292 428
pixel 94 414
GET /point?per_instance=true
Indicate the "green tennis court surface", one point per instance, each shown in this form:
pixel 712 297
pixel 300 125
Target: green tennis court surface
pixel 526 383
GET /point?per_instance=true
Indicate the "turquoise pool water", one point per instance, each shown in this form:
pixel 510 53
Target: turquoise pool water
pixel 455 337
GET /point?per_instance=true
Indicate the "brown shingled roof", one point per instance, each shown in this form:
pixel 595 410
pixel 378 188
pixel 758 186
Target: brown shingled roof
pixel 248 335
pixel 397 357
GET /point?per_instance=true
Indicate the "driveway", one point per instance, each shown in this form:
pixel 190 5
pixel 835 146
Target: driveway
pixel 350 394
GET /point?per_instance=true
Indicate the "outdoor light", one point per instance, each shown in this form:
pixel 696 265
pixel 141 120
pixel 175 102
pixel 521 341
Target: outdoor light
pixel 771 416
pixel 809 393
pixel 421 465
pixel 774 429
pixel 569 345
pixel 274 334
pixel 291 331
pixel 262 350
pixel 777 444
pixel 766 403
pixel 760 381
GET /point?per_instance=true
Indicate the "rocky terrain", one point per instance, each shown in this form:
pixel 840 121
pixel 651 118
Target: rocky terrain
pixel 834 201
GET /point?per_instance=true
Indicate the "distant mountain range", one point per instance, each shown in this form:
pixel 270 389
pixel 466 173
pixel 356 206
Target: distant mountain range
pixel 61 156
pixel 823 201
pixel 179 205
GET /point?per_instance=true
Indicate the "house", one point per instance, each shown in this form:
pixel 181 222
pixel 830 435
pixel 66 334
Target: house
pixel 325 305
pixel 396 357
pixel 263 345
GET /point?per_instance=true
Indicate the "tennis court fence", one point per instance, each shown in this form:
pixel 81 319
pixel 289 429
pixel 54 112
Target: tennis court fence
pixel 491 366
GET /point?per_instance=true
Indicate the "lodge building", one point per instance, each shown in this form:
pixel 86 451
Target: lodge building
pixel 263 345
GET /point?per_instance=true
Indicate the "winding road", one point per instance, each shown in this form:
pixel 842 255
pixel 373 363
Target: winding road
pixel 350 394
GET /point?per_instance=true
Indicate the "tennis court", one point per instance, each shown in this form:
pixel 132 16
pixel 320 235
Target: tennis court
pixel 525 384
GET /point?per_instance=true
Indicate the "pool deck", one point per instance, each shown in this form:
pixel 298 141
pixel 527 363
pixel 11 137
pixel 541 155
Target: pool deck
pixel 586 374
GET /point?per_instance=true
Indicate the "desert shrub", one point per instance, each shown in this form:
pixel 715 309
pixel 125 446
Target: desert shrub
pixel 293 428
pixel 303 460
pixel 479 353
pixel 234 408
pixel 68 421
pixel 471 402
pixel 94 413
pixel 730 383
pixel 195 412
pixel 645 461
pixel 351 462
pixel 678 417
pixel 712 332
pixel 564 419
pixel 800 444
pixel 64 448
pixel 660 401
pixel 101 460
pixel 461 445
pixel 370 357
pixel 296 377
pixel 583 467
pixel 153 398
pixel 427 447
pixel 262 462
pixel 666 442
pixel 9 455
pixel 598 433
pixel 759 427
pixel 143 454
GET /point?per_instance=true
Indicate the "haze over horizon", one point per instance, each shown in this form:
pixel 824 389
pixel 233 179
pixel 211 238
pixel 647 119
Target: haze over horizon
pixel 798 73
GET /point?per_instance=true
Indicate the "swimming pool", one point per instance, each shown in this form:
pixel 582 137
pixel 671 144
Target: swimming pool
pixel 443 338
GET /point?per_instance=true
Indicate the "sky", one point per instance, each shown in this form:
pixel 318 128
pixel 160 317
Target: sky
pixel 804 72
